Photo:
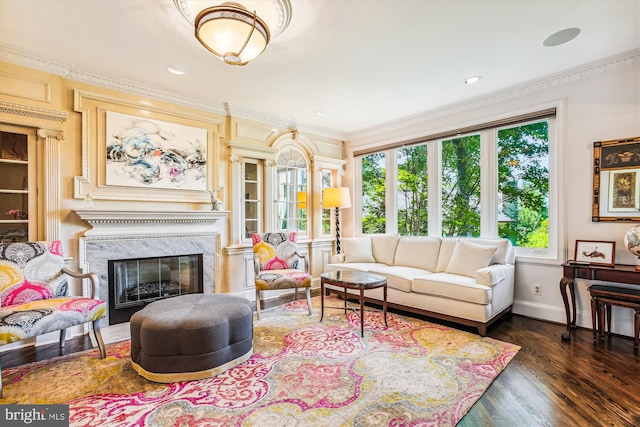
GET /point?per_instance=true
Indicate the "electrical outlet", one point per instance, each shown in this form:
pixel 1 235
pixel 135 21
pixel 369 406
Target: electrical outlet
pixel 537 289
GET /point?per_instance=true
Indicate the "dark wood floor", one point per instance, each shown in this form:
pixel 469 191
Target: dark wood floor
pixel 549 382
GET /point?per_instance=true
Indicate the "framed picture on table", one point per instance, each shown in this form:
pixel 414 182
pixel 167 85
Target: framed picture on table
pixel 595 252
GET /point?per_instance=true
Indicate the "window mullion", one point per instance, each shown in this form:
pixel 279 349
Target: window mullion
pixel 489 184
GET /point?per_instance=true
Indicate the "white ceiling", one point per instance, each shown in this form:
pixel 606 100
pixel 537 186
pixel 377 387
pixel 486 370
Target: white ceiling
pixel 361 62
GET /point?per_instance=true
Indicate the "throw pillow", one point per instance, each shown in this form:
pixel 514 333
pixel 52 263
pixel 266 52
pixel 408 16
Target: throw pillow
pixel 358 249
pixel 467 258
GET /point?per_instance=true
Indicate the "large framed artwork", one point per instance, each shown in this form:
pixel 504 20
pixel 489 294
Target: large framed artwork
pixel 616 180
pixel 147 153
pixel 136 151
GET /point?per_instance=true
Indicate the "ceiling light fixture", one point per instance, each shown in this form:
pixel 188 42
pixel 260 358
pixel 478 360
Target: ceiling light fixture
pixel 232 33
pixel 473 79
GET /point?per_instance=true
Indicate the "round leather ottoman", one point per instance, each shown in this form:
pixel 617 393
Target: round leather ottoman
pixel 191 337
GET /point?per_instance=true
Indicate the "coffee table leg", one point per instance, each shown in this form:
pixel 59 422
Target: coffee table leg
pixel 362 312
pixel 321 299
pixel 384 305
pixel 344 297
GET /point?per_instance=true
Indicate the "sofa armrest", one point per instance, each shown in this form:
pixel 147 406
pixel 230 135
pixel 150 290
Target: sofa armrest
pixel 93 278
pixel 337 258
pixel 492 275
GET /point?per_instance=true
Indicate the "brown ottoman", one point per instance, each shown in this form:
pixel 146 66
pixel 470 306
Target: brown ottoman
pixel 191 337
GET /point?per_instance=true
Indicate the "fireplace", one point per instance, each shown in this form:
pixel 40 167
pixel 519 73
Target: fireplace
pixel 122 236
pixel 134 283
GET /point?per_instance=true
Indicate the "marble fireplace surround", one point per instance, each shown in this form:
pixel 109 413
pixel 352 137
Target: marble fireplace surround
pixel 141 234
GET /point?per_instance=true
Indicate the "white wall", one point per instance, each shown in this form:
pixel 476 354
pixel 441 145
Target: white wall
pixel 596 102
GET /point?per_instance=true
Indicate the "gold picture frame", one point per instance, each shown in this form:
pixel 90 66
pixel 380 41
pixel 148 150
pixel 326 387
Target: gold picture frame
pixel 616 180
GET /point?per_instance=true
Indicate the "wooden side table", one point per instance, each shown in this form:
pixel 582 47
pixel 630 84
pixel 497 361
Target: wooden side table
pixel 358 280
pixel 620 273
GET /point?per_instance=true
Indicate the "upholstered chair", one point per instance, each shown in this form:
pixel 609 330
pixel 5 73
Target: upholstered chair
pixel 277 265
pixel 33 295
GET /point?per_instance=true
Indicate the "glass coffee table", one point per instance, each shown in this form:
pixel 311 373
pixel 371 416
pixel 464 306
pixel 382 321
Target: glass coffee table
pixel 357 280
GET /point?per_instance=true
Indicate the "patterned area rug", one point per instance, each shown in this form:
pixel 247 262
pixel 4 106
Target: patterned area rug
pixel 302 373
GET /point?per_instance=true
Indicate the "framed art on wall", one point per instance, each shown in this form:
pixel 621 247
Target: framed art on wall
pixel 616 180
pixel 595 252
pixel 137 151
pixel 147 153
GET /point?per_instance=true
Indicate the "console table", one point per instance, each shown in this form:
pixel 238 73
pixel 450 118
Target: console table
pixel 619 273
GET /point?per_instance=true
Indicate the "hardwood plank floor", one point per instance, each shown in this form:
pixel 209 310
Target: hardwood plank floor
pixel 549 383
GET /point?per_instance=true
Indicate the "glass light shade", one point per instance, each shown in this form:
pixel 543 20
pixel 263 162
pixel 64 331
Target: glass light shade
pixel 232 33
pixel 336 197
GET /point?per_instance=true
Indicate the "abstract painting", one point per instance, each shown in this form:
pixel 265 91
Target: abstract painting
pixel 142 152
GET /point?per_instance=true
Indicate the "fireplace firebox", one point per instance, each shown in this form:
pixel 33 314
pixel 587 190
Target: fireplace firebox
pixel 134 283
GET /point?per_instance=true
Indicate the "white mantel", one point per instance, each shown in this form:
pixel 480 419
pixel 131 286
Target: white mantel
pixel 124 234
pixel 120 222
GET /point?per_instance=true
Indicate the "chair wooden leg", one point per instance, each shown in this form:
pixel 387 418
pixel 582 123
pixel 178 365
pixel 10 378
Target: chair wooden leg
pixel 97 334
pixel 258 293
pixel 608 319
pixel 63 337
pixel 309 300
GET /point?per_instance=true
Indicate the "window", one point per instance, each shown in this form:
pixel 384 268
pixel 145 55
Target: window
pixel 523 185
pixel 372 197
pixel 491 181
pixel 292 191
pixel 411 191
pixel 461 186
pixel 327 182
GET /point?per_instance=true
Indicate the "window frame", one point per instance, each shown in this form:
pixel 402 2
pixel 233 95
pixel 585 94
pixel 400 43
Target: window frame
pixel 488 180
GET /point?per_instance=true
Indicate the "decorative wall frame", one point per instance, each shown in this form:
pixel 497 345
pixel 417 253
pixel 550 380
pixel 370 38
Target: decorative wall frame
pixel 616 180
pixel 595 252
pixel 101 114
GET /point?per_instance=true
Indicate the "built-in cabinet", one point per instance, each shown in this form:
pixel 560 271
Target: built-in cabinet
pixel 17 184
pixel 252 197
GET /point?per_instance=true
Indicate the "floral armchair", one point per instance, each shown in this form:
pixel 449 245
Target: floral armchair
pixel 33 295
pixel 277 265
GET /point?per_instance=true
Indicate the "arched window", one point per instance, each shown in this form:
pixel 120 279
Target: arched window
pixel 292 196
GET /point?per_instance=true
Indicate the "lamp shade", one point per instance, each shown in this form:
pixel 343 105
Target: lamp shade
pixel 336 197
pixel 232 33
pixel 302 200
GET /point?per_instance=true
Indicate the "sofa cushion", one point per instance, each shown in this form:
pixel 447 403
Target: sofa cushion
pixel 446 250
pixel 467 258
pixel 399 277
pixel 502 253
pixel 418 252
pixel 453 286
pixel 384 247
pixel 358 249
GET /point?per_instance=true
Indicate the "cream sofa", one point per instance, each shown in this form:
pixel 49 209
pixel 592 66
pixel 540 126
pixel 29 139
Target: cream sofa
pixel 464 280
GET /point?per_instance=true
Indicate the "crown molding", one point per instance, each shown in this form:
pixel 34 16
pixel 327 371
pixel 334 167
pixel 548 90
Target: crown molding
pixel 33 112
pixel 33 60
pixel 563 78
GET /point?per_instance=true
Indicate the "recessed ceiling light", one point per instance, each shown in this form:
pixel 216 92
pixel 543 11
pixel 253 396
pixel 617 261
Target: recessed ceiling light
pixel 561 37
pixel 176 69
pixel 473 79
